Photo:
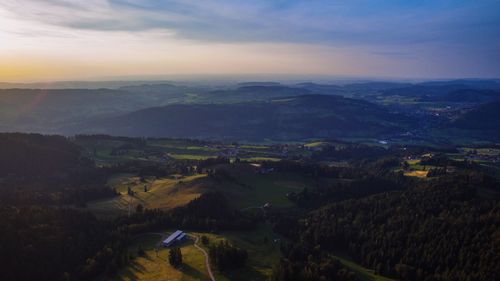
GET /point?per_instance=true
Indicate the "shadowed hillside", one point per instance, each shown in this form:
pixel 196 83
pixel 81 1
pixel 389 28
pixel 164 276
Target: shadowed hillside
pixel 285 118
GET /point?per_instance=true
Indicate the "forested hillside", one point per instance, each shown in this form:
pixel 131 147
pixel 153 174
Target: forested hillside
pixel 287 118
pixel 47 170
pixel 44 243
pixel 483 118
pixel 440 230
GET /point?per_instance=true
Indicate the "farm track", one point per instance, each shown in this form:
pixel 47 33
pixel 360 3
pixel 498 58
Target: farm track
pixel 196 239
pixel 207 261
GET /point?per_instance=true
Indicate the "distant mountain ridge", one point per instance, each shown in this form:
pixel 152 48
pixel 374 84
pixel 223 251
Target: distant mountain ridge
pixel 284 111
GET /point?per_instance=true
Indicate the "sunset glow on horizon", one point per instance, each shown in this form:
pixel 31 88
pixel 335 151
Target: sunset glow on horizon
pixel 61 40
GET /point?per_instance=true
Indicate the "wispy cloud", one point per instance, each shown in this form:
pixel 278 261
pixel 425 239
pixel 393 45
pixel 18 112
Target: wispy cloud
pixel 368 37
pixel 326 22
pixel 394 54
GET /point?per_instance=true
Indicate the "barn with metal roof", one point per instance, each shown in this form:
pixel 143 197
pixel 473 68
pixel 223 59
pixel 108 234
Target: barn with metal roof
pixel 178 235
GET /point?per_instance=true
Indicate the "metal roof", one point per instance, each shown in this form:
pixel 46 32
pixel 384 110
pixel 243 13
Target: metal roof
pixel 181 236
pixel 172 237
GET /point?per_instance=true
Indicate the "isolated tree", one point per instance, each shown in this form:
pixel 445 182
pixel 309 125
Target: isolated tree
pixel 179 256
pixel 139 208
pixel 175 257
pixel 204 240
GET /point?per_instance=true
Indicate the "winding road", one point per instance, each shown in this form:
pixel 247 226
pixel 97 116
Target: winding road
pixel 207 262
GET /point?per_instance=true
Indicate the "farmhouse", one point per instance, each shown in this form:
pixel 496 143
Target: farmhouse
pixel 175 237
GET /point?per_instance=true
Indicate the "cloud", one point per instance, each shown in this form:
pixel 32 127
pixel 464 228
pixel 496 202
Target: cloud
pixel 393 54
pixel 366 37
pixel 309 21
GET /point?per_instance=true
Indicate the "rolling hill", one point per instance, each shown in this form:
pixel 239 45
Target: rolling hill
pixel 465 96
pixel 484 117
pixel 297 117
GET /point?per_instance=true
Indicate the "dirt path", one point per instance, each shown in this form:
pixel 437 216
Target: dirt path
pixel 196 238
pixel 207 262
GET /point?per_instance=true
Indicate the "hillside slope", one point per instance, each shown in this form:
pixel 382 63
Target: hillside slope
pixel 484 117
pixel 284 118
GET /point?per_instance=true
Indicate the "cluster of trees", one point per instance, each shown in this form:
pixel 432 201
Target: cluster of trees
pixel 46 155
pixel 435 172
pixel 205 240
pixel 442 160
pixel 223 175
pixel 175 257
pixel 350 152
pixel 358 170
pixel 356 151
pixel 439 230
pixel 100 137
pixel 150 169
pixel 342 190
pixel 209 212
pixel 224 256
pixel 379 166
pixel 313 169
pixel 210 162
pixel 16 193
pixel 311 268
pixel 47 170
pixel 48 243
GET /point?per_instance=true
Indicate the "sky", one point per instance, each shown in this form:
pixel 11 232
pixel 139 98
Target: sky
pixel 46 40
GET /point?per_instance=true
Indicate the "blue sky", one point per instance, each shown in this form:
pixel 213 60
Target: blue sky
pixel 407 39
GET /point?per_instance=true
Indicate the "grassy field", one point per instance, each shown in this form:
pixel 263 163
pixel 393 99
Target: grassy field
pixel 111 151
pixel 252 189
pixel 262 246
pixel 418 174
pixel 316 144
pixel 155 267
pixel 249 189
pixel 164 193
pixel 417 170
pixel 263 252
pixel 246 189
